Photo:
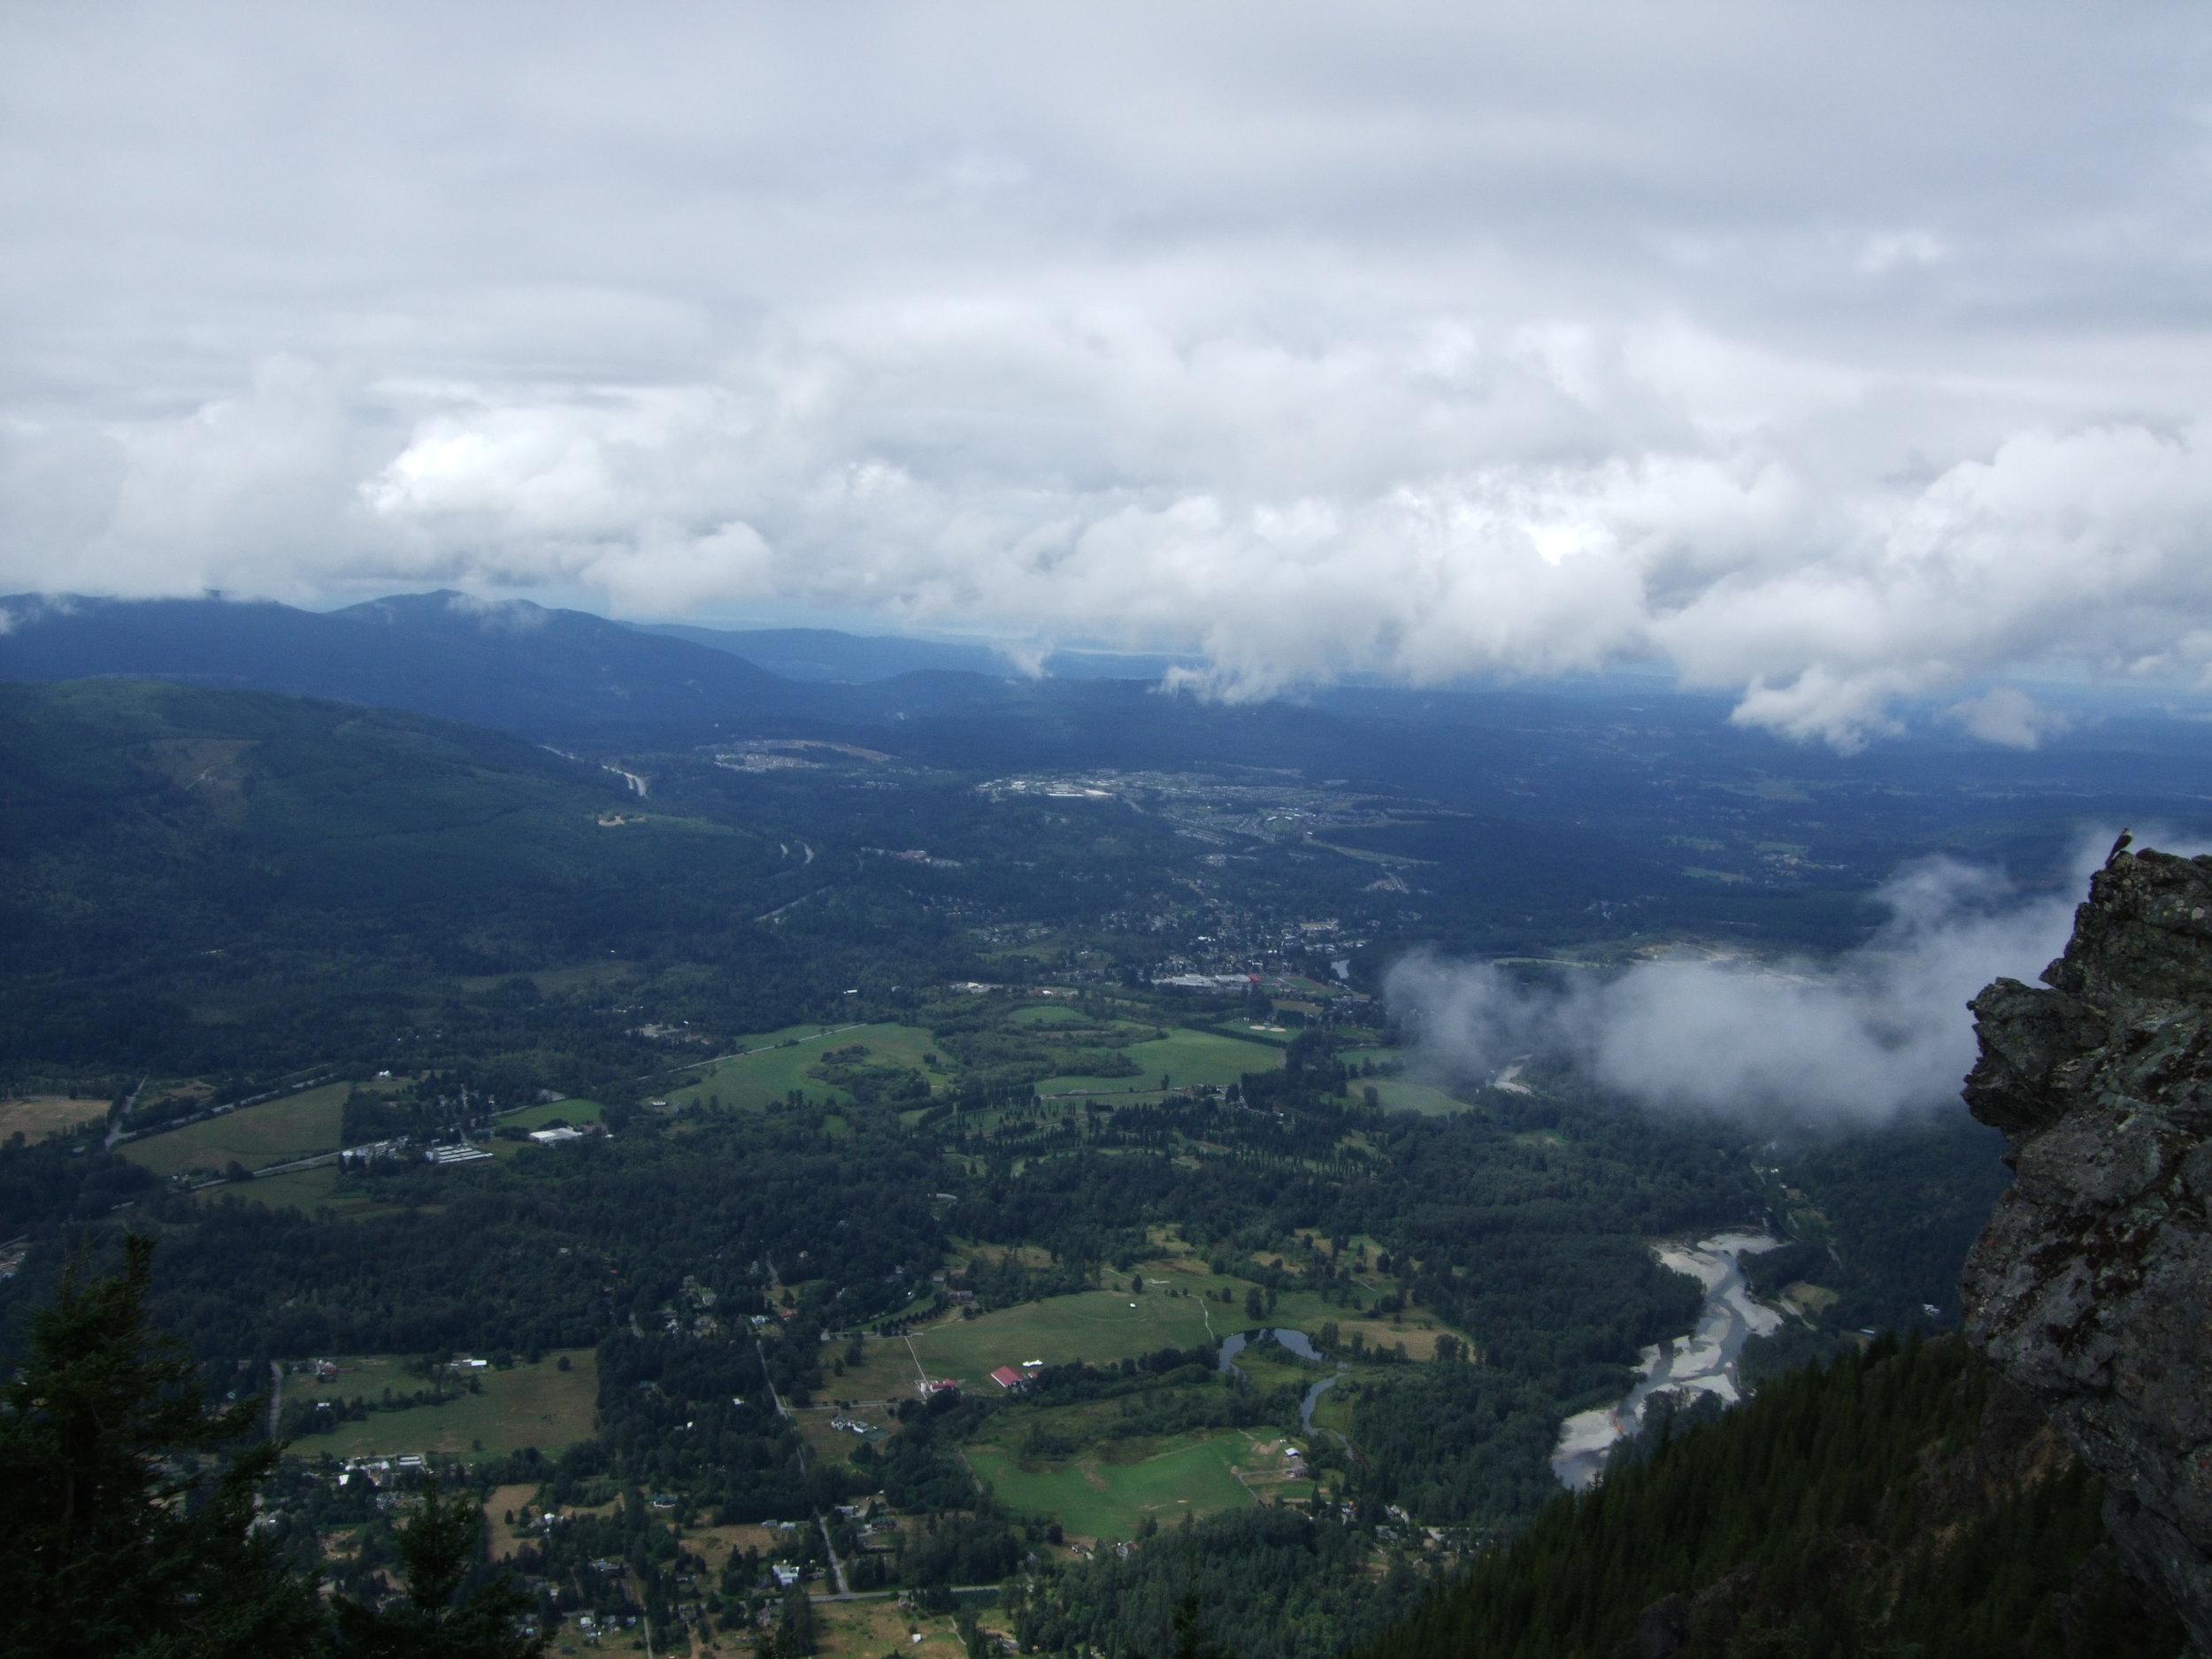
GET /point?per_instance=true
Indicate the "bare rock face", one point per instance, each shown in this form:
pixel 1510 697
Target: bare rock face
pixel 2091 1286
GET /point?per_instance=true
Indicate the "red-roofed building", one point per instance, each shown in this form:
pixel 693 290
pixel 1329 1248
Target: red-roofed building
pixel 1007 1376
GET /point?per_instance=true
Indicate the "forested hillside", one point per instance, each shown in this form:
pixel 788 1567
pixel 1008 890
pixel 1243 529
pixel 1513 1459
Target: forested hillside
pixel 1900 1501
pixel 220 881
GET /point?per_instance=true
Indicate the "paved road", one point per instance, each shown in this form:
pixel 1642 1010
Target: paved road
pixel 770 915
pixel 784 1411
pixel 836 1566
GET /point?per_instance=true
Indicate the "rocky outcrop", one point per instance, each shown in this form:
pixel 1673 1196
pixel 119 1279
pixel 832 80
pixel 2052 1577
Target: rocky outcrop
pixel 2091 1286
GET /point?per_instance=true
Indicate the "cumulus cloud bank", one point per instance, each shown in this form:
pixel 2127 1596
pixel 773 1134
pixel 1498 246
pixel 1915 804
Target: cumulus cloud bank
pixel 1834 357
pixel 1880 1032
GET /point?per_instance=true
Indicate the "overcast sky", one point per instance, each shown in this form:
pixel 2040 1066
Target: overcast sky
pixel 1831 355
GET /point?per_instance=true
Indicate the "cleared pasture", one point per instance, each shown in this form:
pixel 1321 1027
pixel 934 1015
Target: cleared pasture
pixel 1092 1325
pixel 1184 1057
pixel 35 1116
pixel 538 1405
pixel 868 1629
pixel 506 1501
pixel 886 1372
pixel 778 1062
pixel 1403 1094
pixel 277 1132
pixel 1094 1498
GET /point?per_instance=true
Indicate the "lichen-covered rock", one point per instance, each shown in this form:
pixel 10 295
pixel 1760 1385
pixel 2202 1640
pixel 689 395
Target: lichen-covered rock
pixel 2091 1286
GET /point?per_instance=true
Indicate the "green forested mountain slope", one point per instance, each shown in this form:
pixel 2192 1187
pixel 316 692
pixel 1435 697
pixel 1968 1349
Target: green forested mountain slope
pixel 179 866
pixel 1902 1501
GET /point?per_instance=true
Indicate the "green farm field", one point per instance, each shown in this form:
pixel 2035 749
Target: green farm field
pixel 1096 1499
pixel 1093 1325
pixel 759 1078
pixel 1401 1095
pixel 1183 1057
pixel 538 1405
pixel 256 1136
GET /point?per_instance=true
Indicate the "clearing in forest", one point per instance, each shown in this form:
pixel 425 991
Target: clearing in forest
pixel 1184 1057
pixel 276 1132
pixel 35 1116
pixel 778 1062
pixel 524 1404
pixel 1094 1498
pixel 1093 1325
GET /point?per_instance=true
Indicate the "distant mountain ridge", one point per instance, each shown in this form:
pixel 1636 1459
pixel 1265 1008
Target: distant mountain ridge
pixel 540 671
pixel 828 656
pixel 515 665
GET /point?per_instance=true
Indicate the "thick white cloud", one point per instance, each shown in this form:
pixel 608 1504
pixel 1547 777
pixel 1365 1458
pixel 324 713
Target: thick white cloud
pixel 1835 357
pixel 1879 1032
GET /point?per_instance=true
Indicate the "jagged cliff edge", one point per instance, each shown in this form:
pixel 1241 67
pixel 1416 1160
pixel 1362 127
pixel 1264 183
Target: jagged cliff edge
pixel 2091 1288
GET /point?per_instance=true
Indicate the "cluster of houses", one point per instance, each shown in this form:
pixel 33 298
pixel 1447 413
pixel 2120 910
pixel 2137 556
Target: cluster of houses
pixel 377 1470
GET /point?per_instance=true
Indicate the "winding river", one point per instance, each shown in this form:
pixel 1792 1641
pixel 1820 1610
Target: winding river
pixel 1703 1362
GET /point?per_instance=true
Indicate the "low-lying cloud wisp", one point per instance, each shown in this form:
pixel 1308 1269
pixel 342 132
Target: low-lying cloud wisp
pixel 1881 1031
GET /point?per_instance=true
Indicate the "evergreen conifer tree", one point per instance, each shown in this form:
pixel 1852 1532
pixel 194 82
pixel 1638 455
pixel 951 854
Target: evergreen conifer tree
pixel 118 1542
pixel 437 1551
pixel 796 1636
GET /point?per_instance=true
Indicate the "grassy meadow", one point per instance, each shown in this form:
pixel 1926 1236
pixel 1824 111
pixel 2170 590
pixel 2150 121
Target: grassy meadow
pixel 868 1629
pixel 1183 1057
pixel 538 1405
pixel 35 1116
pixel 277 1132
pixel 1403 1094
pixel 1097 1497
pixel 1400 1094
pixel 777 1062
pixel 1094 1326
pixel 885 1374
